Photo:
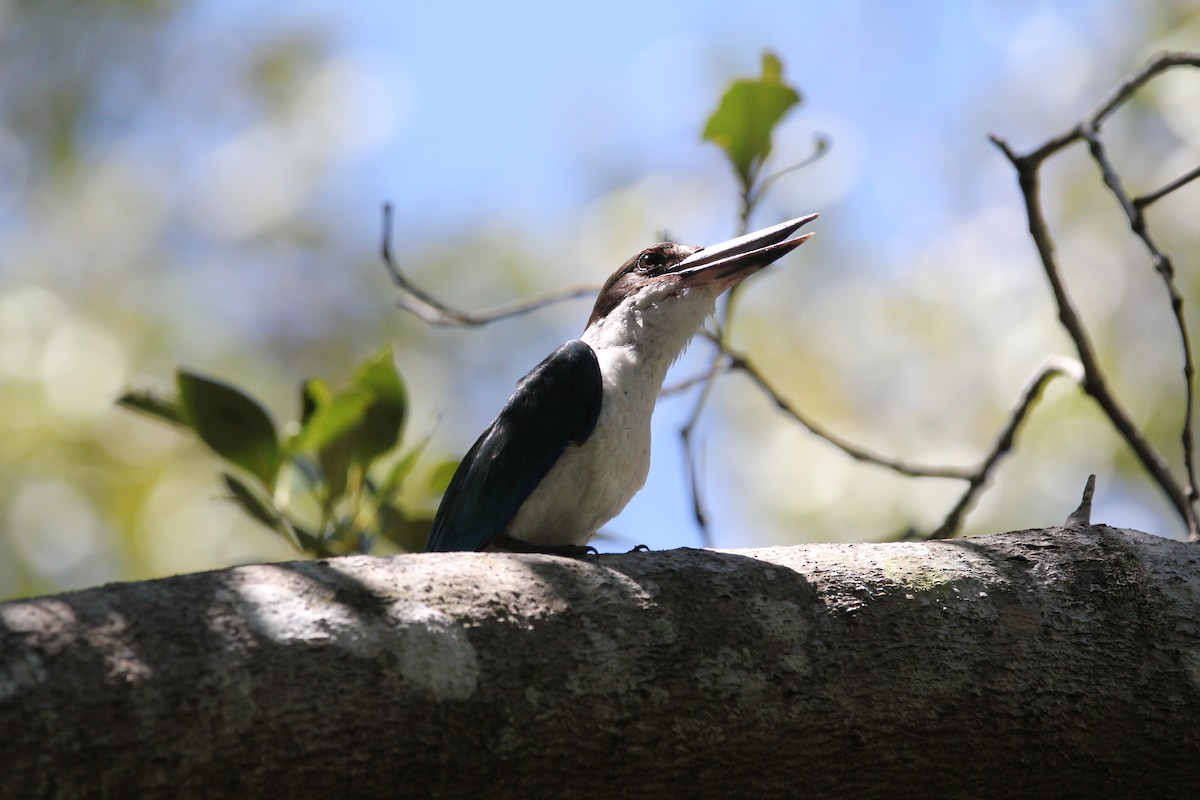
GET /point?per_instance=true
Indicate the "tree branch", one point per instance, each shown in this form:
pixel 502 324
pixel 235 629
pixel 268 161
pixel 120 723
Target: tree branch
pixel 1095 382
pixel 839 671
pixel 1165 269
pixel 1146 200
pixel 435 312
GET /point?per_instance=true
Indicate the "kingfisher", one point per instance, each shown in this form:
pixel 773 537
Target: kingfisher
pixel 572 445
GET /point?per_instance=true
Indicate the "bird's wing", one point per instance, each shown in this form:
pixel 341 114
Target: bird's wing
pixel 556 404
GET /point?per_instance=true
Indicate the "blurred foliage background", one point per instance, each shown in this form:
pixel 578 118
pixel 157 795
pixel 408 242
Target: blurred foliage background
pixel 199 183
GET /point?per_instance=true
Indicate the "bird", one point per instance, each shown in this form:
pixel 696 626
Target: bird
pixel 571 446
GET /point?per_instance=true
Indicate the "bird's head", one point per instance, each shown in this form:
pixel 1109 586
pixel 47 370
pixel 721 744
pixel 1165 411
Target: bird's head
pixel 671 287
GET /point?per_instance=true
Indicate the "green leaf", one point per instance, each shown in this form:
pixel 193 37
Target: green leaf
pixel 314 393
pixel 400 470
pixel 261 510
pixel 747 114
pixel 325 415
pixel 233 424
pixel 365 419
pixel 383 420
pixel 362 422
pixel 333 435
pixel 250 501
pixel 161 407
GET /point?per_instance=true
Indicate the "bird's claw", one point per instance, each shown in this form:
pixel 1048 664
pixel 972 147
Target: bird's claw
pixel 512 545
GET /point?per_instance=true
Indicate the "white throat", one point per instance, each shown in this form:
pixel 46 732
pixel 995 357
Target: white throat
pixel 639 340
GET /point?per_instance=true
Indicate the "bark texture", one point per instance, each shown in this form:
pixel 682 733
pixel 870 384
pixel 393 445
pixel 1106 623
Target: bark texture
pixel 1045 663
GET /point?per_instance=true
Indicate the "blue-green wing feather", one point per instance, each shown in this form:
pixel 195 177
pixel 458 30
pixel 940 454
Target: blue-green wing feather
pixel 556 404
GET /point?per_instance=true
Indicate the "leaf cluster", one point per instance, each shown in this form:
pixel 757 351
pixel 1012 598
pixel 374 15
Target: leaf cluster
pixel 331 483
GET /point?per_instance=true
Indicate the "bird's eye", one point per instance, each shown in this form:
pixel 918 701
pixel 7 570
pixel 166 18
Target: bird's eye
pixel 648 261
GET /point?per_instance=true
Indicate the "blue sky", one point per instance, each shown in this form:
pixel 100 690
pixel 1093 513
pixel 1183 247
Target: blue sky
pixel 533 106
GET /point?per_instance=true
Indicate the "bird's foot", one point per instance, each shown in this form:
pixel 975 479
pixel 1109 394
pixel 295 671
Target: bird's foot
pixel 514 545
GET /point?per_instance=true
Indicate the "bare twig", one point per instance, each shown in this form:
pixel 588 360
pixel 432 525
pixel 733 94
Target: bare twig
pixel 821 143
pixel 976 477
pixel 752 193
pixel 679 387
pixel 417 301
pixel 1082 516
pixel 1160 63
pixel 1146 200
pixel 1166 271
pixel 688 431
pixel 691 465
pixel 693 469
pixel 742 364
pixel 1052 368
pixel 1095 382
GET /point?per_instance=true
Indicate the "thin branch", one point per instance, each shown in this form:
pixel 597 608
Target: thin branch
pixel 716 366
pixel 1052 368
pixel 752 193
pixel 1086 371
pixel 822 143
pixel 976 477
pixel 742 364
pixel 1146 200
pixel 433 311
pixel 1095 382
pixel 1108 174
pixel 1158 64
pixel 1166 271
pixel 1182 498
pixel 691 467
pixel 693 470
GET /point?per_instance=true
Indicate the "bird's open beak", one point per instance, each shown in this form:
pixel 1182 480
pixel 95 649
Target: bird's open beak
pixel 731 261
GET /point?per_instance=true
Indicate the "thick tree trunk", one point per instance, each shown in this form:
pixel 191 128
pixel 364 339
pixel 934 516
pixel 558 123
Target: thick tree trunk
pixel 1044 663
